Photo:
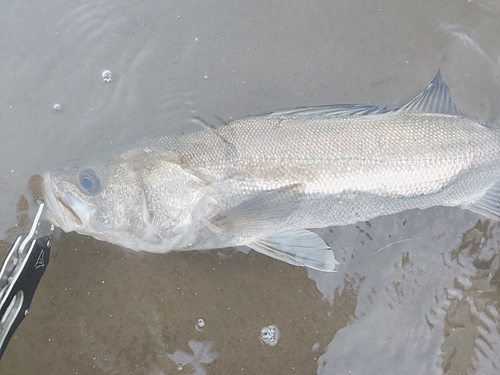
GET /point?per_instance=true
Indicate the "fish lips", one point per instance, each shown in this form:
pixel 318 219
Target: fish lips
pixel 63 209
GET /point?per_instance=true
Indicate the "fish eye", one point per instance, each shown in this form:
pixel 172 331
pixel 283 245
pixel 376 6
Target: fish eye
pixel 89 182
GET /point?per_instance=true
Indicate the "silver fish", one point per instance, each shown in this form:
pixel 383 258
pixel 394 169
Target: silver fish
pixel 260 181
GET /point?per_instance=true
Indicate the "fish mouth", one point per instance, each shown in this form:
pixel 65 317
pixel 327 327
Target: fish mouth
pixel 64 210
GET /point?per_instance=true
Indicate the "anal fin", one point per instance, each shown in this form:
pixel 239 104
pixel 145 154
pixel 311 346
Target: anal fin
pixel 299 248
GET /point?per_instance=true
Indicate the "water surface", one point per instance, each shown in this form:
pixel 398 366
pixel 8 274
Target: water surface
pixel 415 293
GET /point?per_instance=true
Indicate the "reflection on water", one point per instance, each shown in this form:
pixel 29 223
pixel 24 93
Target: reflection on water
pixel 429 304
pixel 472 339
pixel 201 355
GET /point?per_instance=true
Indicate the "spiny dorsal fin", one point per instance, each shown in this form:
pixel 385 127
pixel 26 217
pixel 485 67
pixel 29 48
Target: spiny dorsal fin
pixel 436 98
pixel 330 110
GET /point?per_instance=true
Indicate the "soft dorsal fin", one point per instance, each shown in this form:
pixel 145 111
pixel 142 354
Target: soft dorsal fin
pixel 436 98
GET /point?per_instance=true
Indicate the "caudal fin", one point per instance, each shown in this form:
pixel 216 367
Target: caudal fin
pixel 488 204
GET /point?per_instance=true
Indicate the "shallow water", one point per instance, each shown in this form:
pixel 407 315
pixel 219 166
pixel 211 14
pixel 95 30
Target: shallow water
pixel 415 293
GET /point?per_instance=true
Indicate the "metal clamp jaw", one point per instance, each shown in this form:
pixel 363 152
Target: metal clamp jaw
pixel 20 274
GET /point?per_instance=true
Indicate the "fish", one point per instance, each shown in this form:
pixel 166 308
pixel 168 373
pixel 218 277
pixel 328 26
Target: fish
pixel 265 181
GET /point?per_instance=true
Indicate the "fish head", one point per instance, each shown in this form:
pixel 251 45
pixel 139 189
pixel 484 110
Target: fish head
pixel 138 199
pixel 91 197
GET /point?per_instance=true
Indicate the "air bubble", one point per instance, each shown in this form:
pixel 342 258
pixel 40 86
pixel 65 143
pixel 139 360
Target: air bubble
pixel 269 335
pixel 107 76
pixel 57 107
pixel 200 324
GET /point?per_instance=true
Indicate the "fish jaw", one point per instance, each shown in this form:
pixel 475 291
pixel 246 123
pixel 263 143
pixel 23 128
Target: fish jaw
pixel 64 210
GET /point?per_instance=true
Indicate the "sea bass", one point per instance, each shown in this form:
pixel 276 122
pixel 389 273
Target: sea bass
pixel 261 181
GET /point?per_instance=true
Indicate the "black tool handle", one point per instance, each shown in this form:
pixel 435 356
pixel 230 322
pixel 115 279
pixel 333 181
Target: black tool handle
pixel 27 282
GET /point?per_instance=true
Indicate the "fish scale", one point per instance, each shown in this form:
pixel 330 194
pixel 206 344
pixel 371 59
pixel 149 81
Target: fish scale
pixel 381 158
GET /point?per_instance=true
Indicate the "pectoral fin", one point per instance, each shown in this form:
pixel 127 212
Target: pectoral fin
pixel 299 248
pixel 267 208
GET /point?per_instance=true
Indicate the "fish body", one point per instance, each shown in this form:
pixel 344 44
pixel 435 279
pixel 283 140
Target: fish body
pixel 262 180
